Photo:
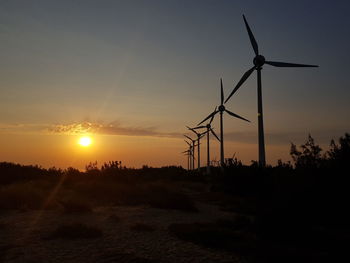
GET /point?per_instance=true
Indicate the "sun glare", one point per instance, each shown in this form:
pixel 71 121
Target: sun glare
pixel 85 141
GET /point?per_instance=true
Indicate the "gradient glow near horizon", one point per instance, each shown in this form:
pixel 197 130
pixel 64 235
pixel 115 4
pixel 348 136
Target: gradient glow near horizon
pixel 132 74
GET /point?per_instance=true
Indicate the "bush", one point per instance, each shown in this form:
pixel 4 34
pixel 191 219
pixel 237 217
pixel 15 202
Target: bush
pixel 21 196
pixel 309 156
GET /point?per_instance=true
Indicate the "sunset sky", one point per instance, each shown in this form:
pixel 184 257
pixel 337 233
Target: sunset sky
pixel 132 74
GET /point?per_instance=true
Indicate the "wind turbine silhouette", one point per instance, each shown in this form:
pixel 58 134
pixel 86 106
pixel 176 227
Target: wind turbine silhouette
pixel 193 145
pixel 258 62
pixel 199 136
pixel 209 129
pixel 222 109
pixel 188 153
pixel 190 156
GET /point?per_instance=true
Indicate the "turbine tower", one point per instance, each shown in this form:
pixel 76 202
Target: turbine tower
pixel 199 136
pixel 222 109
pixel 258 62
pixel 209 129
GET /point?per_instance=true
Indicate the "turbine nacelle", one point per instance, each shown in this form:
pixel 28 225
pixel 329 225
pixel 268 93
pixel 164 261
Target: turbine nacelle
pixel 221 108
pixel 259 61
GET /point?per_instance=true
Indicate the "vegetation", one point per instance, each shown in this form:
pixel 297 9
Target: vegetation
pixel 290 212
pixel 233 235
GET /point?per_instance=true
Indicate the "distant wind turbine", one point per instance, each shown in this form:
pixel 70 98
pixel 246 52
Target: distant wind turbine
pixel 209 129
pixel 199 136
pixel 190 156
pixel 188 153
pixel 222 109
pixel 193 147
pixel 258 62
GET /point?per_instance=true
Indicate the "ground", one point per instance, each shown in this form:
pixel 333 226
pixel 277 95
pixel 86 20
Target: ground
pixel 128 234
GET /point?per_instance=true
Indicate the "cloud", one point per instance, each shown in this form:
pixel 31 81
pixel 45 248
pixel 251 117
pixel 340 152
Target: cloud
pixel 113 128
pixel 19 128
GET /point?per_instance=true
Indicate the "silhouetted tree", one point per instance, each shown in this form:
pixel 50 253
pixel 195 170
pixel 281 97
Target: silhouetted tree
pixel 92 169
pixel 233 162
pixel 339 154
pixel 309 156
pixel 71 171
pixel 111 165
pixel 281 164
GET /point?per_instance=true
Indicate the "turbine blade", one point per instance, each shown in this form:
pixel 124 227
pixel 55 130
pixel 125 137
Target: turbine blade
pixel 188 137
pixel 200 127
pixel 212 131
pixel 235 115
pixel 192 130
pixel 251 36
pixel 284 64
pixel 240 82
pixel 222 92
pixel 202 134
pixel 210 115
pixel 187 143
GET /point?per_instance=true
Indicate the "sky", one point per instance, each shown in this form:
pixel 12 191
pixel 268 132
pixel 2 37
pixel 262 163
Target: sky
pixel 133 74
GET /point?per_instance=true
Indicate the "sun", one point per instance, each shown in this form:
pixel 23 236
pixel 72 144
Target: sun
pixel 85 141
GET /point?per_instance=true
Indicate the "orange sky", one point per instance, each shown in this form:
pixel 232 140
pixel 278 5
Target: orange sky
pixel 134 75
pixel 63 150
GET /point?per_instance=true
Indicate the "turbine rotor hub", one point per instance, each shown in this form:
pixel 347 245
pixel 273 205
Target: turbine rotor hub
pixel 221 108
pixel 208 126
pixel 258 61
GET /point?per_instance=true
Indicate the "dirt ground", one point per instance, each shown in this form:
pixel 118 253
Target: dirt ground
pixel 25 236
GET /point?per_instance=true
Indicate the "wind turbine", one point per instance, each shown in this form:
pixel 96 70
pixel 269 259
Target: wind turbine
pixel 199 136
pixel 209 129
pixel 259 61
pixel 192 146
pixel 188 153
pixel 222 109
pixel 190 156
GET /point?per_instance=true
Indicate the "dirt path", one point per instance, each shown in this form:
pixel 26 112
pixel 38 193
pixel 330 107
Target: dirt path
pixel 24 236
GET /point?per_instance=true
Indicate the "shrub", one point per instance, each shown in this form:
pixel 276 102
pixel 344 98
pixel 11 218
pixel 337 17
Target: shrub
pixel 164 197
pixel 21 196
pixel 309 156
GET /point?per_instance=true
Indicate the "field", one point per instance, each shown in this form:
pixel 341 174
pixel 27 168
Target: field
pixel 240 214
